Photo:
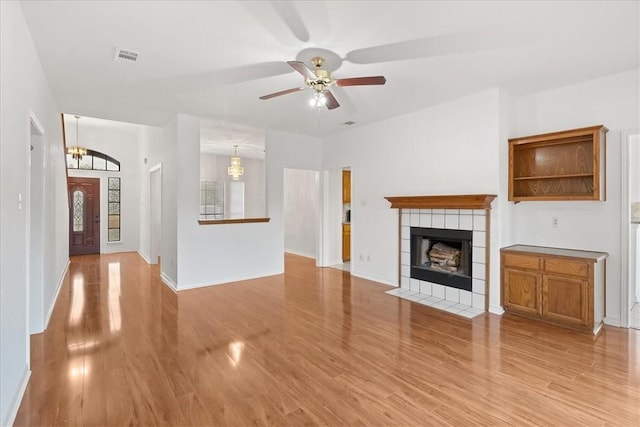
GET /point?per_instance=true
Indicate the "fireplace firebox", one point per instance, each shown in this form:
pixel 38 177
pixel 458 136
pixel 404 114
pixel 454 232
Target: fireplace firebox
pixel 442 256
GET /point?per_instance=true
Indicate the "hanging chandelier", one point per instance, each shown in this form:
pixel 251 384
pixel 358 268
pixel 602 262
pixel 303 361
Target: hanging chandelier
pixel 76 151
pixel 235 170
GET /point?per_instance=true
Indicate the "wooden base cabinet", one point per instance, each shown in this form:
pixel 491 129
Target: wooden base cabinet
pixel 346 242
pixel 561 286
pixel 522 291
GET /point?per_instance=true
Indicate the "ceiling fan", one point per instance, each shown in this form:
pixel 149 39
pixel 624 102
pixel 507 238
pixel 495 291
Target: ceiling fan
pixel 320 81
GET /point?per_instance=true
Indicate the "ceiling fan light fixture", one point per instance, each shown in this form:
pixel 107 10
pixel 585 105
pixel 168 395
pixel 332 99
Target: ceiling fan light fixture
pixel 319 100
pixel 320 81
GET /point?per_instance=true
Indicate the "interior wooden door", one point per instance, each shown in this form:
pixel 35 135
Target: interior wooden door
pixel 84 216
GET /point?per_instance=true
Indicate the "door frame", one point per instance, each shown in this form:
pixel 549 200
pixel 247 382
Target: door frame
pixel 625 285
pixel 155 211
pixel 34 290
pixel 330 249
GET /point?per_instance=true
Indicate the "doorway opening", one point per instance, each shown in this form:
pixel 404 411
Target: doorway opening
pixel 337 218
pixel 155 213
pixel 84 215
pixel 632 214
pixel 301 204
pixel 35 215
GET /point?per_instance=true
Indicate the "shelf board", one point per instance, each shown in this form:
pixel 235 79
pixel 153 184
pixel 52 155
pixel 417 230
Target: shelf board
pixel 573 175
pixel 559 196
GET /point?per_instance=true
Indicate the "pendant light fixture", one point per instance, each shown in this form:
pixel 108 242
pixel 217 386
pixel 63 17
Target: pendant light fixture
pixel 235 170
pixel 76 151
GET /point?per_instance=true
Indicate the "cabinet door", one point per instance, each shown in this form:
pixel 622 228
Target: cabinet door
pixel 565 299
pixel 346 186
pixel 346 242
pixel 522 291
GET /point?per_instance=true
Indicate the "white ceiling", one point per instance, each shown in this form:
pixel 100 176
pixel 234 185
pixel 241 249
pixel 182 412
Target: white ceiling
pixel 220 138
pixel 213 59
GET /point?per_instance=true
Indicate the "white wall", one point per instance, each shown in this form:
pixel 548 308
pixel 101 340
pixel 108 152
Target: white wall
pixel 634 229
pixel 501 222
pixel 255 202
pixel 612 101
pixel 159 147
pixel 332 211
pixel 168 155
pixel 25 91
pixel 35 212
pixel 301 210
pixel 120 141
pixel 448 149
pixel 149 146
pixel 221 253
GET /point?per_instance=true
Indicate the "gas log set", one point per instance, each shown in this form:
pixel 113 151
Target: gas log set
pixel 444 257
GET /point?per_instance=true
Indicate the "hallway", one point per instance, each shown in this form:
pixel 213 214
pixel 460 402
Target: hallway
pixel 310 347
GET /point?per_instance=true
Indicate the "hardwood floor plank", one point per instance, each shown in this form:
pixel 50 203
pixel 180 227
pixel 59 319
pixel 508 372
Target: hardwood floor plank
pixel 313 347
pixel 120 406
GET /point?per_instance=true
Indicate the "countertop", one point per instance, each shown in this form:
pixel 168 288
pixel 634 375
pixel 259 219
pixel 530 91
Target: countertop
pixel 573 253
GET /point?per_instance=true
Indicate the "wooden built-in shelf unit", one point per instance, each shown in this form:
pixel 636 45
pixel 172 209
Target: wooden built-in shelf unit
pixel 566 165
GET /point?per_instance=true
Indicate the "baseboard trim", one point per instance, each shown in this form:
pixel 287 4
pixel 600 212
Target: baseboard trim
pixel 612 322
pixel 168 282
pixel 225 282
pixel 57 294
pixel 17 399
pixel 147 260
pixel 496 309
pixel 374 279
pixel 300 254
pixel 331 263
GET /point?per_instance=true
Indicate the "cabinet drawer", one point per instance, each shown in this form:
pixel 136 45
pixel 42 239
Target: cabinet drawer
pixel 563 266
pixel 521 261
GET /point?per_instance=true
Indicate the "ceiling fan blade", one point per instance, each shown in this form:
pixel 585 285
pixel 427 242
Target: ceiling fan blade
pixel 332 102
pixel 282 92
pixel 476 40
pixel 290 16
pixel 302 69
pixel 361 81
pixel 227 76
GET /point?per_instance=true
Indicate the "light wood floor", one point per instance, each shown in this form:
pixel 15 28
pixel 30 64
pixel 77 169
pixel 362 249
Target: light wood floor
pixel 310 347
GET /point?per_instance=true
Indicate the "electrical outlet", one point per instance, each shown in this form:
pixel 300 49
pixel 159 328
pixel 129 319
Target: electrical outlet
pixel 555 222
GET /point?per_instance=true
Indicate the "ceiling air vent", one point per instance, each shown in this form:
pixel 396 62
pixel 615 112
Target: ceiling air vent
pixel 126 55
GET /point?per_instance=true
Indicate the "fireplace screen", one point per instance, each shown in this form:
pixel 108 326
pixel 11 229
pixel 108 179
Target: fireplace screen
pixel 442 256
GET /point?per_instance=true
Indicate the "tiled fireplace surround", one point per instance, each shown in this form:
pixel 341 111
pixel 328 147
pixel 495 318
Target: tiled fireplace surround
pixel 453 212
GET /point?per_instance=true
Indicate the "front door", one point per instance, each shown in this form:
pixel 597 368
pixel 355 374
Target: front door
pixel 84 216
